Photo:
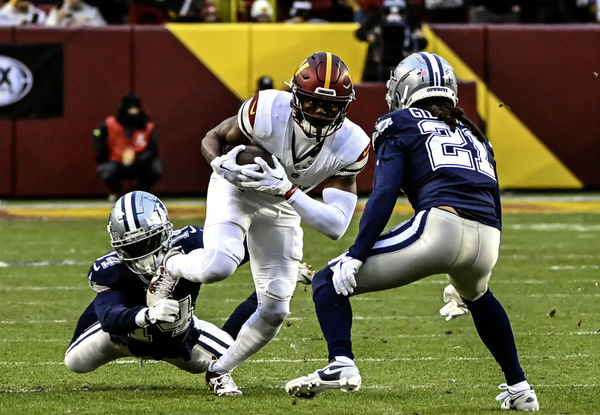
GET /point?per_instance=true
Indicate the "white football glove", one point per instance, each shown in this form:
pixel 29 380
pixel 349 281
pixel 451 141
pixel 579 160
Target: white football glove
pixel 344 272
pixel 273 181
pixel 165 310
pixel 455 306
pixel 226 166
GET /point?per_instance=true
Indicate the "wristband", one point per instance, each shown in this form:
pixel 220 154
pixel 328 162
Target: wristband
pixel 290 192
pixel 147 317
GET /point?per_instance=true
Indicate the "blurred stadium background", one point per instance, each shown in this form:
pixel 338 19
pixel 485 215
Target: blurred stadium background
pixel 534 89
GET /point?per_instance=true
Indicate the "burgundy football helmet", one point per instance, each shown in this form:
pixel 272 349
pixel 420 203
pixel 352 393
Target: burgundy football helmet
pixel 321 92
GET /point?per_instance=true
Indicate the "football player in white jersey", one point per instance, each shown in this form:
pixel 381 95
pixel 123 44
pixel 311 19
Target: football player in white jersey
pixel 311 140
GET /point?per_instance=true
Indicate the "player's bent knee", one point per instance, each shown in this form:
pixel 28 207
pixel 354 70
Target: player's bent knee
pixel 275 307
pixel 220 268
pixel 274 316
pixel 76 364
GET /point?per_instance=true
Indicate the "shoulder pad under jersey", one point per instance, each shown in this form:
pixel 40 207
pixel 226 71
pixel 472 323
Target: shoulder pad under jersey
pixel 351 145
pixel 394 124
pixel 104 272
pixel 257 114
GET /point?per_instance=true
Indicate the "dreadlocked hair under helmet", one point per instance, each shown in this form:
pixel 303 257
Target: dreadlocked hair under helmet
pixel 445 111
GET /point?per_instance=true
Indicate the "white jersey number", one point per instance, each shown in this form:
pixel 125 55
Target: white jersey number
pixel 450 149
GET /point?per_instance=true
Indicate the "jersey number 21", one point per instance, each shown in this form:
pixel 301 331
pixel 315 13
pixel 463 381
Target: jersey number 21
pixel 452 149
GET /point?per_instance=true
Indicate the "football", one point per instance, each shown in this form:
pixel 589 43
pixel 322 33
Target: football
pixel 247 156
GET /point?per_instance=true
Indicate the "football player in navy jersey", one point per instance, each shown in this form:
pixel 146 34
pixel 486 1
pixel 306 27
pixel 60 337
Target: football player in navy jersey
pixel 427 149
pixel 118 323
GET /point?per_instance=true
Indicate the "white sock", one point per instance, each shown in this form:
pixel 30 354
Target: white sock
pixel 253 336
pixel 518 387
pixel 345 359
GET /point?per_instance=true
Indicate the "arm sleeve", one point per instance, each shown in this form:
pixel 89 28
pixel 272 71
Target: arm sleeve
pixel 114 316
pixel 380 206
pixel 330 217
pixel 100 148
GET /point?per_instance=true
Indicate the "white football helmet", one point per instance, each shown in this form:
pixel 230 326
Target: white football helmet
pixel 419 76
pixel 140 231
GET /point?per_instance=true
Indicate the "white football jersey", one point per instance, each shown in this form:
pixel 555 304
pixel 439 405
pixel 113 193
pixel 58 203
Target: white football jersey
pixel 266 119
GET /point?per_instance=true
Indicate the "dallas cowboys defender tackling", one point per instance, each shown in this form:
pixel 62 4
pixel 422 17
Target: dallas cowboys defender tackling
pixel 427 148
pixel 118 323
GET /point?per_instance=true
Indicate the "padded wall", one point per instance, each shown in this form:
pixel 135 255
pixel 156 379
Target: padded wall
pixel 55 155
pixel 549 76
pixel 6 137
pixel 185 100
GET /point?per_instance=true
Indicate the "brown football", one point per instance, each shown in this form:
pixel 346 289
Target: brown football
pixel 251 151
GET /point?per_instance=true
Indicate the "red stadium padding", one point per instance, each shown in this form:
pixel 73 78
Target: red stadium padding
pixel 54 156
pixel 185 100
pixel 552 73
pixel 6 137
pixel 554 88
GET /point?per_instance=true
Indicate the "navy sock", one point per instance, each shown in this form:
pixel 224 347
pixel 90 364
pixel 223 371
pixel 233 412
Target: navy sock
pixel 493 326
pixel 239 316
pixel 334 313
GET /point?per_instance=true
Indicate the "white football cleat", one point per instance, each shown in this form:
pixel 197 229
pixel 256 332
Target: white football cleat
pixel 222 384
pixel 305 273
pixel 524 400
pixel 336 375
pixel 162 284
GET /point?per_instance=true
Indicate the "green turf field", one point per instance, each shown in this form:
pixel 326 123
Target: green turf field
pixel 412 361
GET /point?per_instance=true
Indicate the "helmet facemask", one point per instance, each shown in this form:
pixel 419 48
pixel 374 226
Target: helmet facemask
pixel 140 231
pixel 317 113
pixel 143 256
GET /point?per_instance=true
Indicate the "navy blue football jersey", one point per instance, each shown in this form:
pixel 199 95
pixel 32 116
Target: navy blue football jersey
pixel 122 294
pixel 420 157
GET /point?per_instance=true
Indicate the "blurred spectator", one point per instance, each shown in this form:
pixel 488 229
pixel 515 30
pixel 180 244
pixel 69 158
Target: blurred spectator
pixel 75 13
pixel 362 9
pixel 185 11
pixel 446 11
pixel 555 11
pixel 261 11
pixel 113 11
pixel 210 13
pixel 393 32
pixel 302 12
pixel 582 11
pixel 21 12
pixel 494 11
pixel 126 148
pixel 264 82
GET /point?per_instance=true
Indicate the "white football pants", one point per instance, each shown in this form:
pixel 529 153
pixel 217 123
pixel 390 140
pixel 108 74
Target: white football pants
pixel 94 348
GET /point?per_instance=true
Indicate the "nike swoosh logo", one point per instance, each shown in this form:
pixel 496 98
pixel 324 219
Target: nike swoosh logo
pixel 253 108
pixel 96 268
pixel 331 373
